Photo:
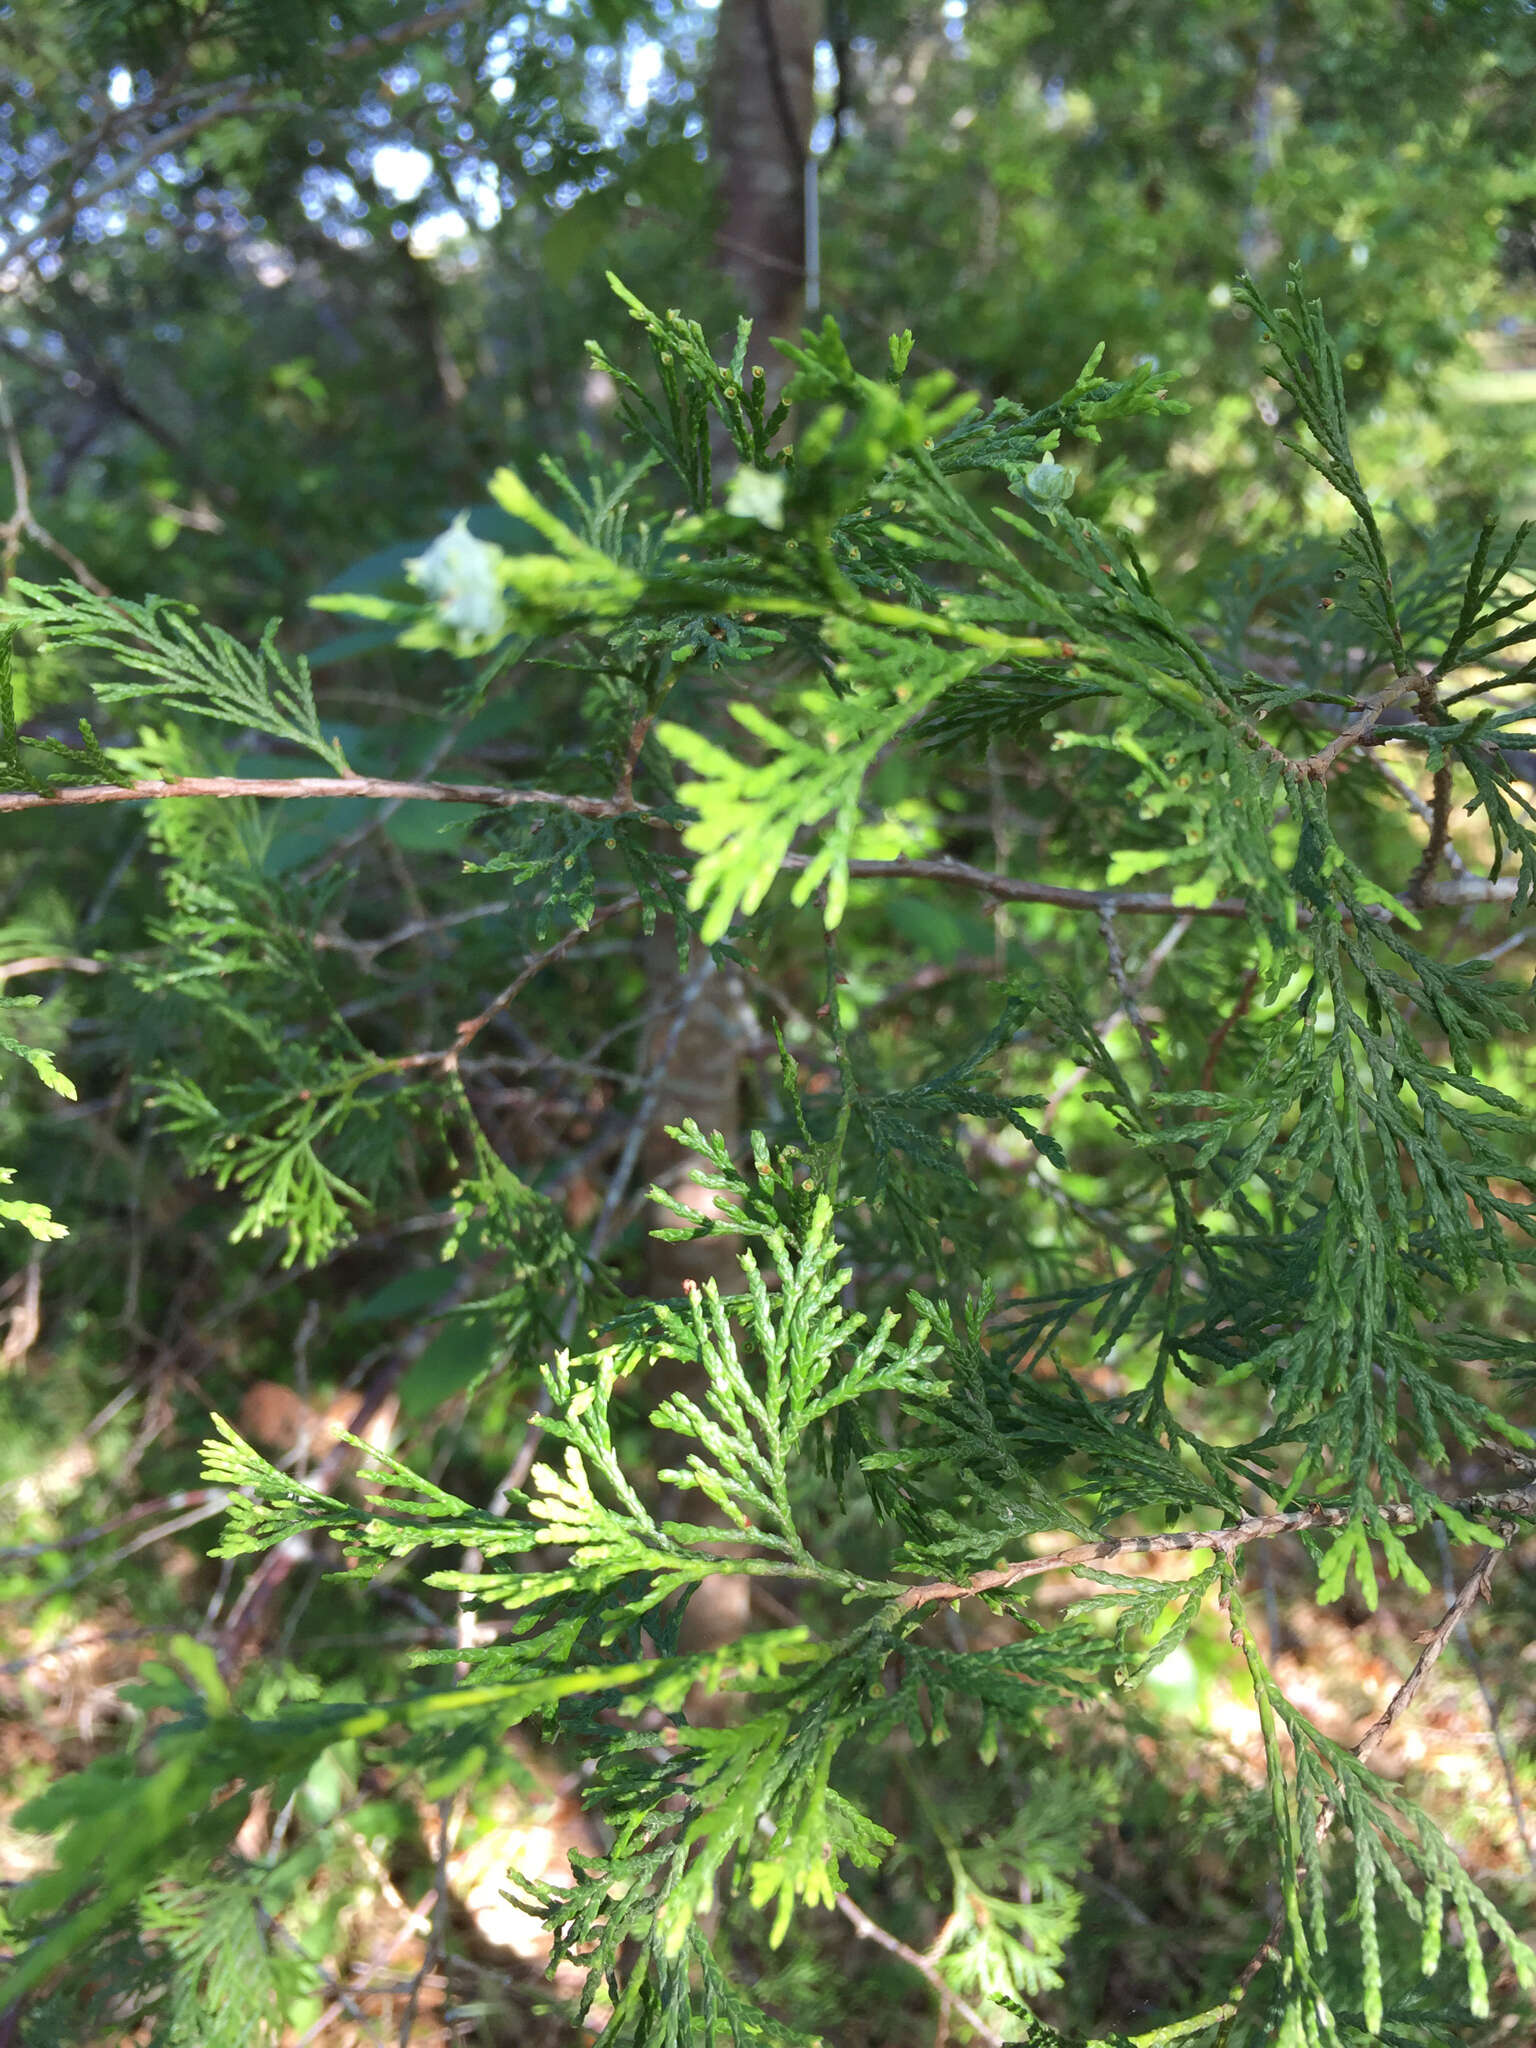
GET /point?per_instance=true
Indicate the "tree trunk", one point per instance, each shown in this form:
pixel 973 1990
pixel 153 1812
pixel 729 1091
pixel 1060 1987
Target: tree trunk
pixel 702 1047
pixel 761 114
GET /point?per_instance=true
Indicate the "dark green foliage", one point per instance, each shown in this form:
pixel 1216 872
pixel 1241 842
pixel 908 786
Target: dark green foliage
pixel 265 36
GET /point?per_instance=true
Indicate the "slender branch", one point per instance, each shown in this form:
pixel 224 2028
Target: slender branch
pixel 1474 1664
pixel 1123 902
pixel 1008 888
pixel 425 24
pixel 871 1930
pixel 1252 1529
pixel 198 1497
pixel 1127 995
pixel 49 963
pixel 637 734
pixel 205 1501
pixel 1439 833
pixel 292 787
pixel 24 520
pixel 1423 812
pixel 1146 974
pixel 1428 701
pixel 1011 889
pixel 1455 892
pixel 367 951
pixel 1475 1589
pixel 1220 1034
pixel 1358 730
pixel 95 1639
pixel 471 1028
pixel 1458 892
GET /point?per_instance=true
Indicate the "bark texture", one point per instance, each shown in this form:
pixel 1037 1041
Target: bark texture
pixel 703 1045
pixel 762 109
pixel 702 1080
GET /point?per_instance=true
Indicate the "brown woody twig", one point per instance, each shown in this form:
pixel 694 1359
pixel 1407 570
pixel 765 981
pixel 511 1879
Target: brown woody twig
pixel 50 963
pixel 1005 888
pixel 1127 995
pixel 871 1930
pixel 1428 701
pixel 303 787
pixel 1251 1529
pixel 24 522
pixel 471 1028
pixel 1475 1589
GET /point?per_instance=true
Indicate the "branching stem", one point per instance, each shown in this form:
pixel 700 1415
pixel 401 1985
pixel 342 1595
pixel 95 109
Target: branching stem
pixel 871 1930
pixel 1252 1529
pixel 1475 1589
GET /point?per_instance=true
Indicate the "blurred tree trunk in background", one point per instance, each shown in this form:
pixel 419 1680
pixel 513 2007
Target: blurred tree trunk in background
pixel 762 109
pixel 761 115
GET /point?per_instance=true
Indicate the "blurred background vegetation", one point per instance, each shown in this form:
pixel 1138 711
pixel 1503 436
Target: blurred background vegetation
pixel 279 287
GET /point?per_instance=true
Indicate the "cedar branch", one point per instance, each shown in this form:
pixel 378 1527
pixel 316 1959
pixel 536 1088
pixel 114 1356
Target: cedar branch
pixel 1251 1529
pixel 308 786
pixel 1456 892
pixel 1475 1589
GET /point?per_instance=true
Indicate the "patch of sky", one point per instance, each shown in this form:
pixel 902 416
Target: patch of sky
pixel 645 76
pixel 645 63
pixel 328 198
pixel 477 187
pixel 401 171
